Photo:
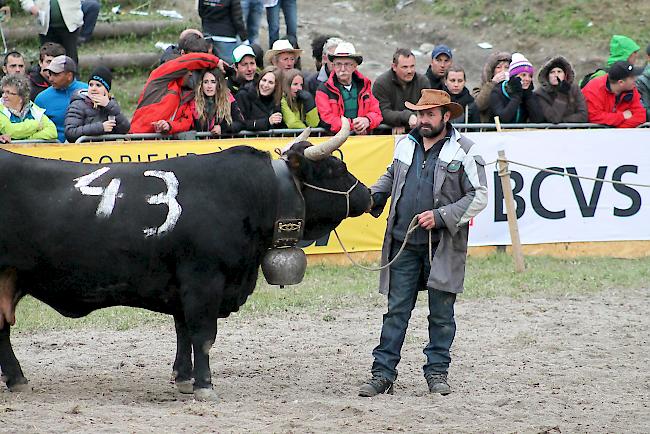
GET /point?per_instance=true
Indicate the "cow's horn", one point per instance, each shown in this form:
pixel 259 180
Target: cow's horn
pixel 325 149
pixel 300 138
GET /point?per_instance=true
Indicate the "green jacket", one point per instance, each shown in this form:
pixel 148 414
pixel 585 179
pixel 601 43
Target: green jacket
pixel 620 48
pixel 41 127
pixel 295 119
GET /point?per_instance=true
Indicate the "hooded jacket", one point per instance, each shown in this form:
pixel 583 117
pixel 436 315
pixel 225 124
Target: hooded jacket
pixel 557 106
pixel 482 94
pixel 35 125
pixel 161 96
pixel 392 95
pixel 620 49
pixel 329 102
pixel 255 109
pixel 606 108
pixel 83 119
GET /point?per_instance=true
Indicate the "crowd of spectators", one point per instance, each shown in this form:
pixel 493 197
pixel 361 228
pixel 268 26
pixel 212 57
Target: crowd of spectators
pixel 215 80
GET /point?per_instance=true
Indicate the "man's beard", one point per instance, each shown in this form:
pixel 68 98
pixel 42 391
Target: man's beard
pixel 430 131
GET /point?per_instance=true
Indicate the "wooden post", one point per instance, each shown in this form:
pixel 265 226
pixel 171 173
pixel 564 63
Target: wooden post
pixel 504 174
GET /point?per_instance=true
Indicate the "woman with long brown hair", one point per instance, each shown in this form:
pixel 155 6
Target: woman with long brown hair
pixel 298 105
pixel 214 108
pixel 260 101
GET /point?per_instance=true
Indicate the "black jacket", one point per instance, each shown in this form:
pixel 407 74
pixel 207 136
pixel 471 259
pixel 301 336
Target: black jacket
pixel 37 82
pixel 435 82
pixel 465 99
pixel 222 18
pixel 515 107
pixel 256 110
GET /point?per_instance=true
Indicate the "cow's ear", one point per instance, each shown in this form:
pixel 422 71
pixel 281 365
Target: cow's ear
pixel 297 164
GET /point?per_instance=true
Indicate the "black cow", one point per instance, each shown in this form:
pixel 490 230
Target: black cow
pixel 183 236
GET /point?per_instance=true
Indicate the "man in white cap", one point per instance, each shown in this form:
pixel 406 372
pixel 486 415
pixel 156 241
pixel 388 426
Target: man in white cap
pixel 282 54
pixel 347 88
pixel 56 98
pixel 245 67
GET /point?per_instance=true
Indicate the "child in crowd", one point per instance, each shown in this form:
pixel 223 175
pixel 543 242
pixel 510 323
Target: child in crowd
pixel 260 101
pixel 513 100
pixel 454 85
pixel 94 111
pixel 214 108
pixel 298 106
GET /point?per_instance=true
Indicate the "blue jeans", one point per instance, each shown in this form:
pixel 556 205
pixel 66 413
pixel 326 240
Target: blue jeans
pixel 90 9
pixel 407 275
pixel 252 12
pixel 290 11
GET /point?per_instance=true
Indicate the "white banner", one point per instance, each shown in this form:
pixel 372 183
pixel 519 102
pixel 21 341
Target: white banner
pixel 552 208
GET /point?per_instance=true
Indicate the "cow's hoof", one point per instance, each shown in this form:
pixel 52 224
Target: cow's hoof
pixel 205 395
pixel 185 386
pixel 20 387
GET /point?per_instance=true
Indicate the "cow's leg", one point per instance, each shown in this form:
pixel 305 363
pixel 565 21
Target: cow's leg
pixel 12 375
pixel 201 305
pixel 11 372
pixel 8 297
pixel 182 374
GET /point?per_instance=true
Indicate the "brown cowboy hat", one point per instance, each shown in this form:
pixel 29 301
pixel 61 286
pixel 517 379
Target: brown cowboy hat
pixel 432 98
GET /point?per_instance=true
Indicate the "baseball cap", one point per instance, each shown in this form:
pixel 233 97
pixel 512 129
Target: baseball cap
pixel 441 49
pixel 240 51
pixel 622 70
pixel 62 64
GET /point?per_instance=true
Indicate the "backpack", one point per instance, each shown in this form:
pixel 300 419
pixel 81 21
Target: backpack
pixel 587 78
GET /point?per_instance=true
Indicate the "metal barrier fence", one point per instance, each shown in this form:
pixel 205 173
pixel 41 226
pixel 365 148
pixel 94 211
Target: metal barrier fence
pixel 316 132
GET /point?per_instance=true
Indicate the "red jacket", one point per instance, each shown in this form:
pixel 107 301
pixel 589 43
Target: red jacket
pixel 161 95
pixel 606 108
pixel 329 103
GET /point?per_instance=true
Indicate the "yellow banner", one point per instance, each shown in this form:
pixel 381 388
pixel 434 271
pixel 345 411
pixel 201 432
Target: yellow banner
pixel 366 157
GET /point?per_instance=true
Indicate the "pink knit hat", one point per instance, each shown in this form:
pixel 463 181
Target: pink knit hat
pixel 519 64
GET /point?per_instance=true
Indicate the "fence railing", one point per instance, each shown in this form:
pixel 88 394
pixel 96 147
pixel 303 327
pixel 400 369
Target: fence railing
pixel 316 132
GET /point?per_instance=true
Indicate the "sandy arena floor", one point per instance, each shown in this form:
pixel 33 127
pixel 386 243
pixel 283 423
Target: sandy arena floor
pixel 570 365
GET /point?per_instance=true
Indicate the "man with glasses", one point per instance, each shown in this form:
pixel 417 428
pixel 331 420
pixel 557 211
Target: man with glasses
pixel 347 93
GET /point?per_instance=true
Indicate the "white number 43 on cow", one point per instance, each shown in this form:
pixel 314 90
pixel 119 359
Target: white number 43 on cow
pixel 111 193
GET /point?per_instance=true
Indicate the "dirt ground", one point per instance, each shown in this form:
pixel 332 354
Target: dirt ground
pixel 575 364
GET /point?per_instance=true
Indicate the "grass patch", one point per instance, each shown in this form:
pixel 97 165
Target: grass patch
pixel 582 20
pixel 326 289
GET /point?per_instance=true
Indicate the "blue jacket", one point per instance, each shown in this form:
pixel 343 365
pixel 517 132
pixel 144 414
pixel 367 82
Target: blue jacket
pixel 56 102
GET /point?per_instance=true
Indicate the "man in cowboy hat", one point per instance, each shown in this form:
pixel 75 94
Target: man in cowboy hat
pixel 437 177
pixel 282 54
pixel 349 90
